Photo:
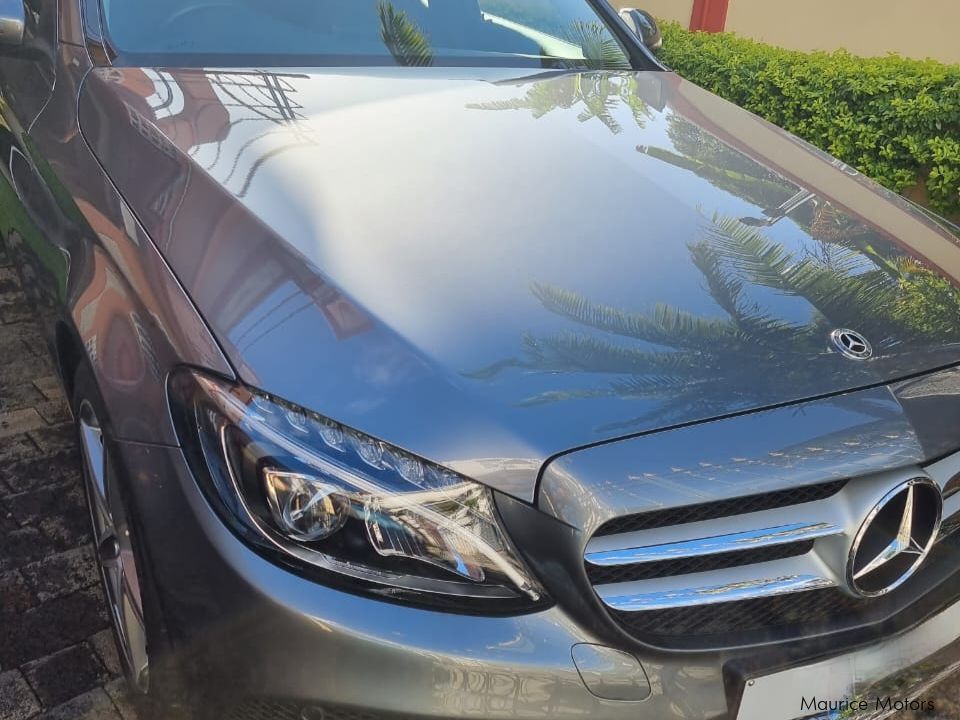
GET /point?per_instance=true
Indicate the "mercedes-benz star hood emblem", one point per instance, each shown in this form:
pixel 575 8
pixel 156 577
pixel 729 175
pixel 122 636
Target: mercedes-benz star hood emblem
pixel 851 344
pixel 895 538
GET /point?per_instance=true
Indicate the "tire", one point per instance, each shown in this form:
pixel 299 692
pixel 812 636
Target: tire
pixel 149 662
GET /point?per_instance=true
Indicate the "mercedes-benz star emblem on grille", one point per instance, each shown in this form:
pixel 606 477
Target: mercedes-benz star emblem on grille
pixel 895 538
pixel 851 344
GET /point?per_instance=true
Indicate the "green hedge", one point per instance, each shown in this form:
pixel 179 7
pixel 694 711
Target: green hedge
pixel 896 120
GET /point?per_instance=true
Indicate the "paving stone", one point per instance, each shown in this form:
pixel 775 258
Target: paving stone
pixel 23 546
pixel 49 386
pixel 105 646
pixel 19 395
pixel 7 522
pixel 31 507
pixel 17 448
pixel 11 335
pixel 19 336
pixel 55 412
pixel 17 701
pixel 64 674
pixel 67 530
pixel 12 298
pixel 17 391
pixel 51 626
pixel 23 372
pixel 32 473
pixel 55 439
pixel 93 705
pixel 33 341
pixel 24 336
pixel 62 573
pixel 8 280
pixel 9 287
pixel 16 422
pixel 123 699
pixel 15 594
pixel 15 312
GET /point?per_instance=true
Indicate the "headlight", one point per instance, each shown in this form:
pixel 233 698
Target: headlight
pixel 326 499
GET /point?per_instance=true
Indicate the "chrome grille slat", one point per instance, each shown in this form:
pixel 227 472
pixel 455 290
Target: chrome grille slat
pixel 599 575
pixel 951 508
pixel 717 509
pixel 812 513
pixel 946 473
pixel 797 574
pixel 708 595
pixel 713 545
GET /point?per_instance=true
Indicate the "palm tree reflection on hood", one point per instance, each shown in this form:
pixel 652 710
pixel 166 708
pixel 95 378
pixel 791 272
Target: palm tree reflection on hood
pixel 692 364
pixel 600 94
pixel 734 172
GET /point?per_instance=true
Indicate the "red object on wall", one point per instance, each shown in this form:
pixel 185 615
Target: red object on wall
pixel 709 15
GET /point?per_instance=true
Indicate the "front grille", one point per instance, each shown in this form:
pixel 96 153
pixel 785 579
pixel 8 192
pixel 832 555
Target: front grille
pixel 752 570
pixel 720 508
pixel 801 615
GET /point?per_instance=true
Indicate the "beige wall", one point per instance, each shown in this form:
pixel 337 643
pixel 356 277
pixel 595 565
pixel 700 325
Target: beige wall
pixel 915 28
pixel 678 10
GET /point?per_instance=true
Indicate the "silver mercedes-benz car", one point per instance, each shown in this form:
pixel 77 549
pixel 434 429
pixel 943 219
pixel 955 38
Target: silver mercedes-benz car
pixel 456 359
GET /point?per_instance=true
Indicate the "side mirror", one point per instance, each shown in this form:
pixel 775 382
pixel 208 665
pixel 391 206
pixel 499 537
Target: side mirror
pixel 644 27
pixel 13 22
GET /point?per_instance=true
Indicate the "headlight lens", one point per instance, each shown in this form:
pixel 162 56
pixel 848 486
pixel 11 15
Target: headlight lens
pixel 327 498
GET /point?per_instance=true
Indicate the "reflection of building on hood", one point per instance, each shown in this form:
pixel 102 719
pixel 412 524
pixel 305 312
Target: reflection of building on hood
pixel 176 114
pixel 189 114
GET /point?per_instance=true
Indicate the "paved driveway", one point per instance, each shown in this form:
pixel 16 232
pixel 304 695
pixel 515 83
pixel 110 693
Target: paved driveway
pixel 57 658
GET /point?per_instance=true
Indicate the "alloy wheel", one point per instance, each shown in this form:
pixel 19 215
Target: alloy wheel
pixel 114 550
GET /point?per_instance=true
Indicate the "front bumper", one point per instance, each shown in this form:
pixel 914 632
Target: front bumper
pixel 249 630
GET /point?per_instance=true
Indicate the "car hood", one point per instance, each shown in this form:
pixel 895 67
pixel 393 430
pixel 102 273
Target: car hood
pixel 489 270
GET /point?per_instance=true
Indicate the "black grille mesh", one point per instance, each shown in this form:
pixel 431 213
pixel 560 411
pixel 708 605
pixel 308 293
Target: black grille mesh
pixel 720 508
pixel 667 568
pixel 807 610
pixel 262 709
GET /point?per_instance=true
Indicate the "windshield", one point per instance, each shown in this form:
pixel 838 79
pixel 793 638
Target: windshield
pixel 525 33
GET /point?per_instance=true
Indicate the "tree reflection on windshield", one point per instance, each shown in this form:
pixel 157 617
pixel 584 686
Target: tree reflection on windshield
pixel 403 38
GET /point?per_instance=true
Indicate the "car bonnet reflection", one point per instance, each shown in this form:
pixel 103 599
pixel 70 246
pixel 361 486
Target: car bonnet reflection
pixel 522 265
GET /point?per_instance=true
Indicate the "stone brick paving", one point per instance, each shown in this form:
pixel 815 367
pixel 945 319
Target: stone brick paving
pixel 57 656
